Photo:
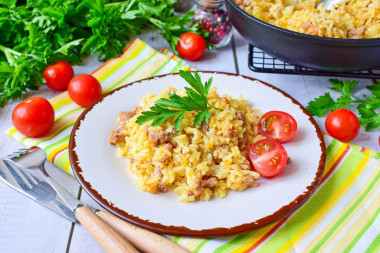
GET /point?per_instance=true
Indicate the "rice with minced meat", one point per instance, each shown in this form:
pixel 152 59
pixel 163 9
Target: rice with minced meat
pixel 197 162
pixel 356 19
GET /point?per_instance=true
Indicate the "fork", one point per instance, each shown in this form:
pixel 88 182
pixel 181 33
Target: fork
pixel 329 4
pixel 38 189
pixel 32 160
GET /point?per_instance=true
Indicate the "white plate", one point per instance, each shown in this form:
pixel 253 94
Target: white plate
pixel 106 178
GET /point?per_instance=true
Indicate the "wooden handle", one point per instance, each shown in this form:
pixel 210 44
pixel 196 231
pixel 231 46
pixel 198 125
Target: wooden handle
pixel 107 237
pixel 142 239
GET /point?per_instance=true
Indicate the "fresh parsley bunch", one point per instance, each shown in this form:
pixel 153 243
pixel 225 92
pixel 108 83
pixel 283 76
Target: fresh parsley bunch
pixel 195 100
pixel 367 107
pixel 35 33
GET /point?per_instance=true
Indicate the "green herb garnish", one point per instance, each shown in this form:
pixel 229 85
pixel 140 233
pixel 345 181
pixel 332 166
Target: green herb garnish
pixel 195 100
pixel 367 107
pixel 36 33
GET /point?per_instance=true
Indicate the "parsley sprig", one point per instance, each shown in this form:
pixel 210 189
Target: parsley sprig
pixel 367 107
pixel 195 100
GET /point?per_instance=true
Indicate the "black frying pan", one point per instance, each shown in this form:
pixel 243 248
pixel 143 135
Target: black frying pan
pixel 328 54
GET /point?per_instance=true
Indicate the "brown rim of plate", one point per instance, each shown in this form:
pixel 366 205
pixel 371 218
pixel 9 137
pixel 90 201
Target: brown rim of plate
pixel 181 230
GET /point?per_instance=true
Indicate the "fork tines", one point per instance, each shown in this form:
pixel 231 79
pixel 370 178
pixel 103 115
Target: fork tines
pixel 17 153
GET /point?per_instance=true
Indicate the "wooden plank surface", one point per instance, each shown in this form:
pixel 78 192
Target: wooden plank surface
pixel 28 227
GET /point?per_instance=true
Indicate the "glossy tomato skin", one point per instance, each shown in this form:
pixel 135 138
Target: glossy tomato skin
pixel 191 46
pixel 33 117
pixel 268 157
pixel 342 124
pixel 58 76
pixel 278 125
pixel 84 89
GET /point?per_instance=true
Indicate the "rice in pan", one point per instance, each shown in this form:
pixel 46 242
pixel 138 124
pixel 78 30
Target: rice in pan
pixel 196 162
pixel 356 19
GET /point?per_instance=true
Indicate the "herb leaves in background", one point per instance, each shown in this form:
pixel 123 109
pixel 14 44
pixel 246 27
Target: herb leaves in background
pixel 36 33
pixel 367 107
pixel 111 25
pixel 195 100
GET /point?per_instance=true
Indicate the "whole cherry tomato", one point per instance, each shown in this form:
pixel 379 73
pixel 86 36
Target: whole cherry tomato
pixel 84 89
pixel 58 76
pixel 191 46
pixel 33 117
pixel 278 125
pixel 342 124
pixel 268 157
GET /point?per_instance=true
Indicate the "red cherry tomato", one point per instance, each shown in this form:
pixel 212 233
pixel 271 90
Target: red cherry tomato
pixel 278 125
pixel 268 157
pixel 58 76
pixel 84 89
pixel 342 124
pixel 191 46
pixel 33 117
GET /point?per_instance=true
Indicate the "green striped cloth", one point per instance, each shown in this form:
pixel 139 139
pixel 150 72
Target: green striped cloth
pixel 341 216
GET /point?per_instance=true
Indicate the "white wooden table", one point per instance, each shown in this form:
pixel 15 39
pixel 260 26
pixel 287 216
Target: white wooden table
pixel 26 226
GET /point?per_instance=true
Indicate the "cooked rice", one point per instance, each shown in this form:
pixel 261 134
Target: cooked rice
pixel 355 19
pixel 204 161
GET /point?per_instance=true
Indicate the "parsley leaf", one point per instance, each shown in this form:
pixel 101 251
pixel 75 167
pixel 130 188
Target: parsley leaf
pixel 202 116
pixel 320 105
pixel 345 89
pixel 194 100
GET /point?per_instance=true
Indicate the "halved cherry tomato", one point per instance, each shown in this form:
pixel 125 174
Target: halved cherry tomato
pixel 84 89
pixel 33 117
pixel 268 157
pixel 342 124
pixel 58 76
pixel 191 46
pixel 278 125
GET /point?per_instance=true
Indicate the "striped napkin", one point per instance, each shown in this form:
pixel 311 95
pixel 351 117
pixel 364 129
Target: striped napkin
pixel 341 216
